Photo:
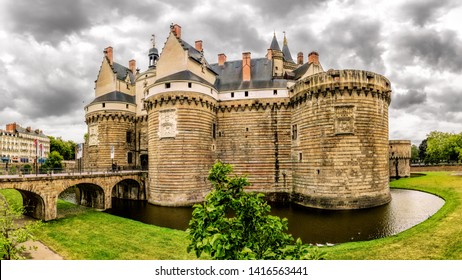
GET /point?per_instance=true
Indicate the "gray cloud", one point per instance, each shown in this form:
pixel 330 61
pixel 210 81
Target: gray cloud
pixel 354 42
pixel 411 98
pixel 439 50
pixel 48 20
pixel 422 12
pixel 276 9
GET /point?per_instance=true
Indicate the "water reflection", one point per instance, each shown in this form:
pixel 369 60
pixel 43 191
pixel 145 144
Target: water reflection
pixel 406 209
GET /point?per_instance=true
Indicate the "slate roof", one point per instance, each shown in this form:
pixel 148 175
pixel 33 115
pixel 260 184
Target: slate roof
pixel 274 44
pixel 122 71
pixel 230 75
pixel 300 71
pixel 194 54
pixel 185 75
pixel 286 53
pixel 116 96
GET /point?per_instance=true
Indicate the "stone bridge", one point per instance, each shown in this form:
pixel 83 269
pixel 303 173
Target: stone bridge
pixel 40 192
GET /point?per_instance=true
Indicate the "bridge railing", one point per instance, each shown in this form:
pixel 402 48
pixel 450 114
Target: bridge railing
pixel 67 171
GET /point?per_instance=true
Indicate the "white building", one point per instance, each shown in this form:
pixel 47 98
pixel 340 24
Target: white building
pixel 18 144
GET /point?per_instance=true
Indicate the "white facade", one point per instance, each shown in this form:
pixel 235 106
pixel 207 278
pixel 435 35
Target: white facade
pixel 18 145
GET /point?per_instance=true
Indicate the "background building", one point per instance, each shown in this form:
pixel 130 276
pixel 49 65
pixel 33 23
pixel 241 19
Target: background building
pixel 23 145
pixel 318 138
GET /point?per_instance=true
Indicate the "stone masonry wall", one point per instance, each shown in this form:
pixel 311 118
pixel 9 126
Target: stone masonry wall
pixel 400 158
pixel 254 136
pixel 340 154
pixel 111 131
pixel 181 147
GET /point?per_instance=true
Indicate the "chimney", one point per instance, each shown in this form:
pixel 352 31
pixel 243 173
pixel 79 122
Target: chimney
pixel 300 58
pixel 132 66
pixel 199 45
pixel 108 53
pixel 221 59
pixel 11 127
pixel 313 57
pixel 246 66
pixel 176 29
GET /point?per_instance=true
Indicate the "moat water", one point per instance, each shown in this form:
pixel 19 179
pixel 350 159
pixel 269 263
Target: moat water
pixel 407 209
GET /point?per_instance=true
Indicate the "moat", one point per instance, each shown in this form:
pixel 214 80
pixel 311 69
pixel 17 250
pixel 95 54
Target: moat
pixel 407 208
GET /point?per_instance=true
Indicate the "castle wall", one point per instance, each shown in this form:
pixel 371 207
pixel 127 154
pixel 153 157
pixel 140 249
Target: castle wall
pixel 254 136
pixel 181 147
pixel 400 158
pixel 340 151
pixel 106 130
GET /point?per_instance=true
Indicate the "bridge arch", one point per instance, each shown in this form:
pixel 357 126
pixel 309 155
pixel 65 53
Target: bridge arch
pixel 33 203
pixel 129 189
pixel 90 195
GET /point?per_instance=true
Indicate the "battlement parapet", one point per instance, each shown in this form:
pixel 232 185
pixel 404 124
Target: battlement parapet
pixel 180 98
pixel 342 82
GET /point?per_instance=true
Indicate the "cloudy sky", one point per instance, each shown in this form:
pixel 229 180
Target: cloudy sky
pixel 51 50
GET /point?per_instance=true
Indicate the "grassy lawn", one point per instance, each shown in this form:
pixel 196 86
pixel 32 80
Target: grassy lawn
pixel 439 237
pixel 82 233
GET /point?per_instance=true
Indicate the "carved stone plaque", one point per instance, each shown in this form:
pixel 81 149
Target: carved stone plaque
pixel 93 135
pixel 344 119
pixel 167 123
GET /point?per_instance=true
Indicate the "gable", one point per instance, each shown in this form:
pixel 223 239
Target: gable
pixel 106 80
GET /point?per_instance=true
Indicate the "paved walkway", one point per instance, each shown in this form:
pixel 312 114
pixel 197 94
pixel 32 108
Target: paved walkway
pixel 42 252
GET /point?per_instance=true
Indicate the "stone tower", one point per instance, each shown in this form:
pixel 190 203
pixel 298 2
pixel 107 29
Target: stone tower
pixel 340 139
pixel 181 107
pixel 111 116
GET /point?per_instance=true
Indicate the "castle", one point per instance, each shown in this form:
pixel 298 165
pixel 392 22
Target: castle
pixel 318 138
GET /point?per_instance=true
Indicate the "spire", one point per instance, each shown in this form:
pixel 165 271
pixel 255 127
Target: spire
pixel 153 53
pixel 286 51
pixel 274 43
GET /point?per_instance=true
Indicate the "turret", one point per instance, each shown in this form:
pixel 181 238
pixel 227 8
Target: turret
pixel 153 53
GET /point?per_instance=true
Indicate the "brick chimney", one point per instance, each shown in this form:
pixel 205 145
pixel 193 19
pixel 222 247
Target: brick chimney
pixel 11 127
pixel 199 45
pixel 132 66
pixel 246 66
pixel 300 58
pixel 176 29
pixel 109 54
pixel 221 59
pixel 313 57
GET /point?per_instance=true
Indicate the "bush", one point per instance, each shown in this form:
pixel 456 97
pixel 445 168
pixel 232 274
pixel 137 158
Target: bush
pixel 233 225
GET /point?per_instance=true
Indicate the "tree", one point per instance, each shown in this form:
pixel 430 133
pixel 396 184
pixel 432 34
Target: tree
pixel 54 161
pixel 443 147
pixel 232 224
pixel 414 153
pixel 423 150
pixel 64 148
pixel 13 235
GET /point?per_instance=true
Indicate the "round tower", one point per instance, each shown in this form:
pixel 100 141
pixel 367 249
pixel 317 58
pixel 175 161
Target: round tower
pixel 340 140
pixel 400 158
pixel 111 134
pixel 182 139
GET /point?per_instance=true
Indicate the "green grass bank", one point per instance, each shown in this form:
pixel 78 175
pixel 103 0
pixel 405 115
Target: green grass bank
pixel 81 233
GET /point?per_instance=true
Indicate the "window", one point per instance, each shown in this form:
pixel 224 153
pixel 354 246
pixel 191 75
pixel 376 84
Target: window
pixel 246 93
pixel 130 158
pixel 129 136
pixel 275 92
pixel 214 131
pixel 104 105
pixel 126 106
pixel 167 85
pixel 294 132
pixel 300 157
pixel 189 85
pixel 232 94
